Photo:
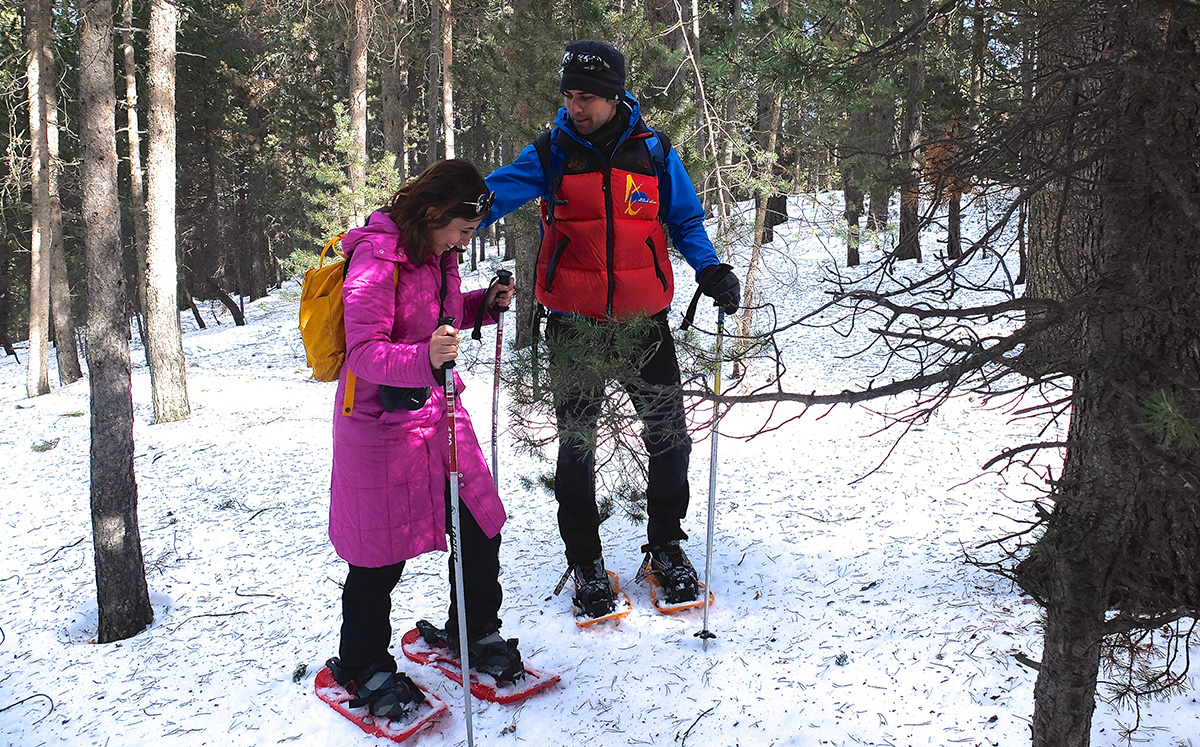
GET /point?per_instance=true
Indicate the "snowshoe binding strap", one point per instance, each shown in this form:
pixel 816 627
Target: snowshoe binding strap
pixel 498 658
pixel 389 695
pixel 593 589
pixel 386 694
pixel 434 635
pixel 671 569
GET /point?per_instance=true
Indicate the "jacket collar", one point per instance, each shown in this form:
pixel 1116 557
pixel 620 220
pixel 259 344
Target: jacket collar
pixel 563 122
pixel 381 237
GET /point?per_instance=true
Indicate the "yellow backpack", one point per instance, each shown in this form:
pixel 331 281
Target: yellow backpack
pixel 323 322
pixel 322 326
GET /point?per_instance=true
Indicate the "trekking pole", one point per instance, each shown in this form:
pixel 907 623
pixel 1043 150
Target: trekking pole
pixel 503 277
pixel 456 540
pixel 707 634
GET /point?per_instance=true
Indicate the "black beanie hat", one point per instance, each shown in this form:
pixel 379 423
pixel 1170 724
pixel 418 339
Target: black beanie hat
pixel 607 78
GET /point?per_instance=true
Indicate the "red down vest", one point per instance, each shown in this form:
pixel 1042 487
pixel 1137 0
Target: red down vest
pixel 604 251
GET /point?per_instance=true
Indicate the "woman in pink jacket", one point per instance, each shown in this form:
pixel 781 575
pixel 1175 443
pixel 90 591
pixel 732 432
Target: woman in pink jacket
pixel 390 489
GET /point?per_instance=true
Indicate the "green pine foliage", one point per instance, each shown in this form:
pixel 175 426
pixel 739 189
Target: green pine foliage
pixel 1169 421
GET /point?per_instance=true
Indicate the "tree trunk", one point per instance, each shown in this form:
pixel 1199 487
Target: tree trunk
pixel 447 82
pixel 360 29
pixel 122 595
pixel 239 319
pixel 37 36
pixel 1063 217
pixel 62 316
pixel 137 187
pixel 394 96
pixel 853 200
pixel 6 252
pixel 264 270
pixel 746 319
pixel 1124 536
pixel 882 172
pixel 190 302
pixel 667 83
pixel 164 342
pixel 908 246
pixel 432 80
pixel 853 171
pixel 954 226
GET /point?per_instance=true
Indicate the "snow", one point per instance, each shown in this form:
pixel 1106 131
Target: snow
pixel 845 613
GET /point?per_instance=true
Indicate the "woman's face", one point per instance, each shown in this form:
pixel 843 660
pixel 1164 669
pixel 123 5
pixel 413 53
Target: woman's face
pixel 456 233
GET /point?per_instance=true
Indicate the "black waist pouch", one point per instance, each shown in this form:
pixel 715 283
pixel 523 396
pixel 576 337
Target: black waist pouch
pixel 403 397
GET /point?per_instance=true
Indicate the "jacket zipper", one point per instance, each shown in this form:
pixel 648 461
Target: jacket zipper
pixel 609 235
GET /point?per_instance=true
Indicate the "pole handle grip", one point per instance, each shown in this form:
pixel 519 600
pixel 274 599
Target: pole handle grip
pixel 446 321
pixel 505 278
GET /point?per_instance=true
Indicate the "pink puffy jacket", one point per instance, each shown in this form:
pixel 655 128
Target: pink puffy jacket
pixel 387 498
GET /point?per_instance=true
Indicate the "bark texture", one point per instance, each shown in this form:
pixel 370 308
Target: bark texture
pixel 122 596
pixel 164 341
pixel 37 31
pixel 1123 542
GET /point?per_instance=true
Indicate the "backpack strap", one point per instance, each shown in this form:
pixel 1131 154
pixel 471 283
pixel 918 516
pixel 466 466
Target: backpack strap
pixel 351 380
pixel 553 157
pixel 659 145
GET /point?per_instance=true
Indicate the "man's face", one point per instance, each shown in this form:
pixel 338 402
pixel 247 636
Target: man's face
pixel 588 112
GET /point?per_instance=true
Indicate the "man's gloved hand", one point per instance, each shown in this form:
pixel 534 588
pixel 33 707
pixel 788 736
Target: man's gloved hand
pixel 720 284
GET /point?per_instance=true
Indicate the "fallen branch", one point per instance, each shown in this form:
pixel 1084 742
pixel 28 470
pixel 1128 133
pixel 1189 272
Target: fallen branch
pixel 683 741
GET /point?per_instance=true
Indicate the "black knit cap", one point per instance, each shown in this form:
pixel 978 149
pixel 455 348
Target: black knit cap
pixel 607 78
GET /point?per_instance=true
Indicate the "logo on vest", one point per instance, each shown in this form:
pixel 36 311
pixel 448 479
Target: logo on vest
pixel 635 197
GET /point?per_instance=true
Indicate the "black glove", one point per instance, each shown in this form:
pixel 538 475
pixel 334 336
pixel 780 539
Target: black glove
pixel 720 284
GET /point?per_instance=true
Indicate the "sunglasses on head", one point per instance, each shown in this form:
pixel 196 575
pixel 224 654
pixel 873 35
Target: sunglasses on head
pixel 482 203
pixel 583 61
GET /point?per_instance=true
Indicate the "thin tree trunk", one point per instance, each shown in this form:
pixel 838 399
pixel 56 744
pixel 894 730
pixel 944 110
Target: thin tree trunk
pixel 137 187
pixel 853 175
pixel 432 80
pixel 37 35
pixel 394 95
pixel 6 252
pixel 360 29
pixel 884 118
pixel 954 226
pixel 190 302
pixel 908 246
pixel 239 319
pixel 122 596
pixel 164 342
pixel 853 200
pixel 746 319
pixel 447 82
pixel 62 316
pixel 262 264
pixel 675 28
pixel 712 128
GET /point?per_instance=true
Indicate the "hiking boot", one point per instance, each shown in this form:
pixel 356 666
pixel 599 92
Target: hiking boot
pixel 593 589
pixel 385 693
pixel 491 654
pixel 669 565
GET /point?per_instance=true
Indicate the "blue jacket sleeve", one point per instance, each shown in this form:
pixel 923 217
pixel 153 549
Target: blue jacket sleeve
pixel 683 215
pixel 515 184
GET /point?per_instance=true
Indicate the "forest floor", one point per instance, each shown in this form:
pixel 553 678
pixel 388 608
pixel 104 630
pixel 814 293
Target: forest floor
pixel 845 612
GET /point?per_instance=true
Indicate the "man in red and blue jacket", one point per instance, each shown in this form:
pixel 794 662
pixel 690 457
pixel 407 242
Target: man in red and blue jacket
pixel 612 190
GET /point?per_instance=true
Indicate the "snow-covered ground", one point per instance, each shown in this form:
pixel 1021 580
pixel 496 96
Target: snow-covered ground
pixel 845 613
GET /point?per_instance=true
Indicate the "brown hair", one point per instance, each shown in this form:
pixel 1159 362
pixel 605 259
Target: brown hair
pixel 439 195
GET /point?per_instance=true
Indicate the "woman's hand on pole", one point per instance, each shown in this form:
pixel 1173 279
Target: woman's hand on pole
pixel 443 346
pixel 500 296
